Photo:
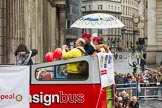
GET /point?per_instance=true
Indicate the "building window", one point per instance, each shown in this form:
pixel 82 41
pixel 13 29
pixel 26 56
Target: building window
pixel 99 7
pixel 115 9
pixel 123 10
pixel 112 31
pixel 115 31
pixel 84 8
pixel 90 31
pixel 68 24
pixel 111 8
pixel 109 32
pixel 69 9
pixel 108 7
pixel 99 32
pixel 89 7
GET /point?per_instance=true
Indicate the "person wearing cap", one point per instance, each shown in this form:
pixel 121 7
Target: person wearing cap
pixel 95 44
pixel 72 68
pixel 88 47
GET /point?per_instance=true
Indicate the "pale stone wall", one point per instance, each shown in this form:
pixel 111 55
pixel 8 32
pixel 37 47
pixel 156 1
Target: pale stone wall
pixel 154 42
pixel 151 45
pixel 159 31
pixel 159 25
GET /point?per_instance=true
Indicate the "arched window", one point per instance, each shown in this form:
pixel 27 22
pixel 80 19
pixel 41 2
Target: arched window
pixel 108 7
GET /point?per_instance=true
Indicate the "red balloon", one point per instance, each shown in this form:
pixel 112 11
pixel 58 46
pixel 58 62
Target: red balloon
pixel 49 57
pixel 57 53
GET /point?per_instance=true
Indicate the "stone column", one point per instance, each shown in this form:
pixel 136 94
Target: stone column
pixel 53 27
pixel 151 46
pixel 2 31
pixel 15 27
pixel 46 27
pixel 33 18
pixel 37 29
pixel 62 24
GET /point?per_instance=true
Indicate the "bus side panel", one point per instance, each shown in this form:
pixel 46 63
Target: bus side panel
pixel 69 96
pixel 103 99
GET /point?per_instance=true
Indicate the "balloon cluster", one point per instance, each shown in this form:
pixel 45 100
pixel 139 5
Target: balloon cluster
pixel 55 55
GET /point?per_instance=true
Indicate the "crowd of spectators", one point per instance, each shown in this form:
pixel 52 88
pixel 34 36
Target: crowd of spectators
pixel 149 78
pixel 144 79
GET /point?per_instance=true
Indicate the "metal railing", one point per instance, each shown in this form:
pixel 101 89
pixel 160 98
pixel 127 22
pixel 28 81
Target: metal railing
pixel 141 90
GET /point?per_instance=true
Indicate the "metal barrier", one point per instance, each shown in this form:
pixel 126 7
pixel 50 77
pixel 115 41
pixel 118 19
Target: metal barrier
pixel 141 90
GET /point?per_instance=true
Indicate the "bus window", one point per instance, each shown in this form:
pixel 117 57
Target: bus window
pixel 51 73
pixel 61 72
pixel 45 73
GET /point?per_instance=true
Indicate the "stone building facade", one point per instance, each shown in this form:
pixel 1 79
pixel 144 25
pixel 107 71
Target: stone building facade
pixel 72 14
pixel 129 34
pixel 111 36
pixel 39 24
pixel 123 10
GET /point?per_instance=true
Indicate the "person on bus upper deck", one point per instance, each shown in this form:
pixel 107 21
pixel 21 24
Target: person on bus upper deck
pixel 72 68
pixel 88 47
pixel 23 55
pixel 103 47
pixel 95 44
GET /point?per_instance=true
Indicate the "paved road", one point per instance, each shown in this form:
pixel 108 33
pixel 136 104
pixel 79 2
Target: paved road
pixel 150 104
pixel 122 65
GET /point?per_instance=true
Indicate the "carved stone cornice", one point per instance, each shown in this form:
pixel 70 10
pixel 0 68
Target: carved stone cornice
pixel 61 7
pixel 57 2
